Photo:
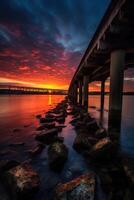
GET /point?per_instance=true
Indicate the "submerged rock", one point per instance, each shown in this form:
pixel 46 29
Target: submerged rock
pixel 46 120
pixel 92 126
pixel 100 133
pixel 81 188
pixel 81 143
pixel 57 155
pixel 102 150
pixel 22 181
pixel 47 136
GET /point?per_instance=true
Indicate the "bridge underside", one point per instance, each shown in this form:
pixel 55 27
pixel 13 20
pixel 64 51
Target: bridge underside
pixel 109 53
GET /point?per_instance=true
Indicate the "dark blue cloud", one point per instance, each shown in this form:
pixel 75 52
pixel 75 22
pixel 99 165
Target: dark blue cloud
pixel 59 30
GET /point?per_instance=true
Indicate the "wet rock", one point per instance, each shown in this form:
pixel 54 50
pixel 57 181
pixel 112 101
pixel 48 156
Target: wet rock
pixel 49 125
pixel 22 181
pixel 79 124
pixel 46 120
pixel 74 121
pixel 81 143
pixel 102 151
pixel 57 155
pixel 60 127
pixel 47 135
pixel 37 150
pixel 60 119
pixel 38 116
pixel 40 128
pixel 92 126
pixel 81 188
pixel 100 133
pixel 7 164
pixel 46 126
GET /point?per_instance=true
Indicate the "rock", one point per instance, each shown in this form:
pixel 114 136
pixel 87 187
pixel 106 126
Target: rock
pixel 46 126
pixel 100 133
pixel 49 125
pixel 79 124
pixel 40 128
pixel 60 127
pixel 102 151
pixel 81 143
pixel 46 120
pixel 47 135
pixel 92 126
pixel 22 181
pixel 37 150
pixel 38 116
pixel 7 164
pixel 81 188
pixel 57 155
pixel 60 119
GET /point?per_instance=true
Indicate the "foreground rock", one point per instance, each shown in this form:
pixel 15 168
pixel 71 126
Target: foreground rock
pixel 81 188
pixel 83 142
pixel 22 181
pixel 47 135
pixel 102 151
pixel 57 155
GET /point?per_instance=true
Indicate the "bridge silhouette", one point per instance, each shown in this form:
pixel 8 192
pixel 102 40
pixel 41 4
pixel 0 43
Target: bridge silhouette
pixel 13 89
pixel 109 53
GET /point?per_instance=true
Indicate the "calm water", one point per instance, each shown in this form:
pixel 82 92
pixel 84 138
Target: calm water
pixel 19 112
pixel 127 125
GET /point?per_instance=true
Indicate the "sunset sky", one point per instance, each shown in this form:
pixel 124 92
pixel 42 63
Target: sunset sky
pixel 42 41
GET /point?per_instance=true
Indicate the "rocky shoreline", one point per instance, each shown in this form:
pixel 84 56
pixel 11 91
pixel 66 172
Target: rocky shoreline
pixel 22 181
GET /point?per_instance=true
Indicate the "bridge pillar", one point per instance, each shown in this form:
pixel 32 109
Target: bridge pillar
pixel 85 91
pixel 102 101
pixel 116 89
pixel 75 93
pixel 80 92
pixel 102 95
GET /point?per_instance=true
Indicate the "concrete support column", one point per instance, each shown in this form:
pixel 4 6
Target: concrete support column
pixel 75 93
pixel 80 92
pixel 85 91
pixel 102 95
pixel 102 101
pixel 116 89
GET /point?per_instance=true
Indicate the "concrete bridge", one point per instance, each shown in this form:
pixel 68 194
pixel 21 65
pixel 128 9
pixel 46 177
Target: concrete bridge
pixel 12 89
pixel 109 53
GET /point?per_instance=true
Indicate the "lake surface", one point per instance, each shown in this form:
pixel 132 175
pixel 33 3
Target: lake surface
pixel 19 112
pixel 18 123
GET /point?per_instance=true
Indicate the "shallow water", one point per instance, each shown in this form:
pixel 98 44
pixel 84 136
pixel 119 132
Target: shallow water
pixel 127 123
pixel 19 112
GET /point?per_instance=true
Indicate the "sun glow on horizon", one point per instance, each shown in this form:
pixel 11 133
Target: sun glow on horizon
pixel 15 82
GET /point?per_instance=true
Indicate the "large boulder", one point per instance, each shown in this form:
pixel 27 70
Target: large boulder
pixel 47 135
pixel 102 151
pixel 57 155
pixel 92 126
pixel 46 120
pixel 81 188
pixel 46 126
pixel 82 142
pixel 22 181
pixel 100 133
